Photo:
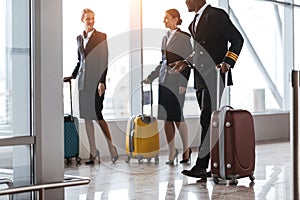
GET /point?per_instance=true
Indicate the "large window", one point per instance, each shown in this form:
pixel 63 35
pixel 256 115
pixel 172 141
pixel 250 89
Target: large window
pixel 259 73
pixel 15 92
pixel 153 31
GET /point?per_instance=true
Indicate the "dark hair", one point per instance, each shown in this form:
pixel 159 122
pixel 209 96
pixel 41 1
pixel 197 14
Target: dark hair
pixel 174 13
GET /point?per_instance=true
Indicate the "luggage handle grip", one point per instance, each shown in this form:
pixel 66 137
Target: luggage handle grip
pixel 226 107
pixel 71 101
pixel 151 98
pixel 223 97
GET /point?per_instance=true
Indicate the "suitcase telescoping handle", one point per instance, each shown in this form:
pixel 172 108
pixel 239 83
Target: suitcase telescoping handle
pixel 222 101
pixel 150 96
pixel 222 106
pixel 71 101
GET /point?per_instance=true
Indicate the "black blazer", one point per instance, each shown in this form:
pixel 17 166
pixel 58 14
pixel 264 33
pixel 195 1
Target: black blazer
pixel 213 32
pixel 92 62
pixel 178 48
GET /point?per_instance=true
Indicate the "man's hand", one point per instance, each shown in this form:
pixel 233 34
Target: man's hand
pixel 178 66
pixel 223 67
pixel 101 89
pixel 68 78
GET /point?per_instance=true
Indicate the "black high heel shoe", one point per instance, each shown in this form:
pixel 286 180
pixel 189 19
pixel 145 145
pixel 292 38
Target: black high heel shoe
pixel 175 159
pixel 188 159
pixel 92 159
pixel 116 157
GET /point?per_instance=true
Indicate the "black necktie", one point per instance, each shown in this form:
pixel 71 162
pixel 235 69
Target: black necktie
pixel 194 24
pixel 84 34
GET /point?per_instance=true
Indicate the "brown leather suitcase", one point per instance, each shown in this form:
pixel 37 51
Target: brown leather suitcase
pixel 232 142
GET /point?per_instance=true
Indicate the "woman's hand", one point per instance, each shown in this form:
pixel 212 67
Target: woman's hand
pixel 182 90
pixel 101 89
pixel 68 78
pixel 178 66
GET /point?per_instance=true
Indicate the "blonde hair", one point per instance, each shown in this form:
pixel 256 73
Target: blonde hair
pixel 84 11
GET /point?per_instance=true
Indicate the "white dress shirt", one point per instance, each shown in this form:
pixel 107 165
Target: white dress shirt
pixel 200 12
pixel 86 40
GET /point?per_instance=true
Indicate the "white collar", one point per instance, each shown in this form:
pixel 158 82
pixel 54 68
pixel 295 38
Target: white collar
pixel 88 34
pixel 201 10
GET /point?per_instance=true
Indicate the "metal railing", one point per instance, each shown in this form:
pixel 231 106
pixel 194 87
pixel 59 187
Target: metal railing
pixel 68 181
pixel 9 184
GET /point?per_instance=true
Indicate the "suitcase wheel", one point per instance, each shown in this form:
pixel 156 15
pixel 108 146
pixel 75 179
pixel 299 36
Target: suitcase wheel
pixel 252 178
pixel 156 159
pixel 233 182
pixel 69 161
pixel 78 160
pixel 127 159
pixel 140 160
pixel 216 179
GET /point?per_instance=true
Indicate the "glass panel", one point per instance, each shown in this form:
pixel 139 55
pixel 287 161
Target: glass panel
pixel 15 169
pixel 153 31
pixel 3 68
pixel 297 35
pixel 15 115
pixel 263 53
pixel 15 69
pixel 116 28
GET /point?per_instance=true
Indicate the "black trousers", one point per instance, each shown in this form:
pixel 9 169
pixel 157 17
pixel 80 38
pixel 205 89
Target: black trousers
pixel 204 101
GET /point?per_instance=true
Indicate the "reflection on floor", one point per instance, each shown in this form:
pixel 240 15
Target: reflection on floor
pixel 159 181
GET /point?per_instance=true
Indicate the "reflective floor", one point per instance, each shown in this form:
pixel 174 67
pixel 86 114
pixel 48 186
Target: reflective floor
pixel 159 181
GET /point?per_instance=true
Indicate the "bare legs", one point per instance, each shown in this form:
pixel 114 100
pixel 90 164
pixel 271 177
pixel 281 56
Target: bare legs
pixel 170 134
pixel 183 132
pixel 112 149
pixel 89 127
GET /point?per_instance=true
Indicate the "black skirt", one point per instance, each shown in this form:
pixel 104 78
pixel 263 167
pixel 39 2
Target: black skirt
pixel 170 104
pixel 90 105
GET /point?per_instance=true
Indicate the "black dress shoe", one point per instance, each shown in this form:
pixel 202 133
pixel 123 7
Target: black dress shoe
pixel 188 159
pixel 202 180
pixel 195 172
pixel 90 162
pixel 208 174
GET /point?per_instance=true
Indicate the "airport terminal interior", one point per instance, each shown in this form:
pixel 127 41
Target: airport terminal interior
pixel 38 48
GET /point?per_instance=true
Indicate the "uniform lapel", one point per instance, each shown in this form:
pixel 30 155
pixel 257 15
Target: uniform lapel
pixel 80 45
pixel 200 29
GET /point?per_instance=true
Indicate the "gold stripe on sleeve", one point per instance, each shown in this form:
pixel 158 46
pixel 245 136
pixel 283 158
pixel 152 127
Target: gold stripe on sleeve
pixel 232 55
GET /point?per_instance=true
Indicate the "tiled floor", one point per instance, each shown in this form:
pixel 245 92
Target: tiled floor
pixel 159 181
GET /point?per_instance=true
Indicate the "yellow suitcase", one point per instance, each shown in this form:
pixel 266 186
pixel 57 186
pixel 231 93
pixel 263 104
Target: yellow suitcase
pixel 142 136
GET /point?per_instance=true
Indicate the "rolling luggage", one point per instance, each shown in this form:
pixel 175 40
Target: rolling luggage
pixel 232 142
pixel 71 137
pixel 142 135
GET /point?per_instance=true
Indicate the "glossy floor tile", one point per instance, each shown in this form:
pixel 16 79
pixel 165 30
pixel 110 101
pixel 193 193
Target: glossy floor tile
pixel 151 181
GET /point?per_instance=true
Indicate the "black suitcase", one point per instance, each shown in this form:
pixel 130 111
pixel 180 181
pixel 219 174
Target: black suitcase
pixel 71 137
